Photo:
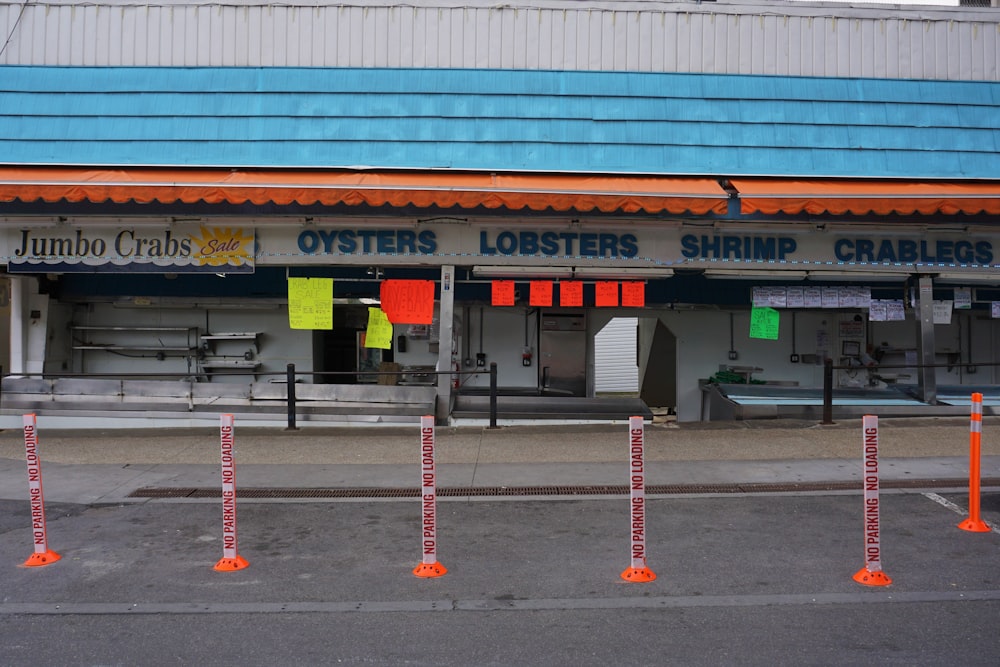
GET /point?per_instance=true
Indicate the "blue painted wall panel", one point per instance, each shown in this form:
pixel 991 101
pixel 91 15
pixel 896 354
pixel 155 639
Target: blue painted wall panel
pixel 500 120
pixel 711 135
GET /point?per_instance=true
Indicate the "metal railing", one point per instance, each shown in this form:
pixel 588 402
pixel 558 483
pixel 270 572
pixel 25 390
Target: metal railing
pixel 829 368
pixel 290 374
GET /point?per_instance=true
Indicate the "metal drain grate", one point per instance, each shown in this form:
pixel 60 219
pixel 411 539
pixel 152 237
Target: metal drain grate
pixel 596 490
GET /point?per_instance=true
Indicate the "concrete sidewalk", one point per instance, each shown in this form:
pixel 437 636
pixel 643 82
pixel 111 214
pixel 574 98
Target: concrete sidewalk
pixel 92 466
pixel 742 579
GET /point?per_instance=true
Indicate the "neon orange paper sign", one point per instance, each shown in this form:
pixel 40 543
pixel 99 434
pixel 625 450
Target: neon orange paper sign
pixel 541 293
pixel 634 294
pixel 571 293
pixel 503 292
pixel 606 293
pixel 408 301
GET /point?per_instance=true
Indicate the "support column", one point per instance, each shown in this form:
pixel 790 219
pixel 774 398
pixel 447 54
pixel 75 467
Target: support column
pixel 18 329
pixel 446 315
pixel 926 377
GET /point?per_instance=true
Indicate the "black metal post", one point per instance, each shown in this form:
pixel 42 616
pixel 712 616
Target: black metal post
pixel 493 394
pixel 827 391
pixel 290 384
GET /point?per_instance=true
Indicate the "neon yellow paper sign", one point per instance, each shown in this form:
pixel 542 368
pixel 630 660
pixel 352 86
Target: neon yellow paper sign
pixel 379 329
pixel 310 303
pixel 764 323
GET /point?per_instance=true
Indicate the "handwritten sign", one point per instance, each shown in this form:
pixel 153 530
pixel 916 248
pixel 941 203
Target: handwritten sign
pixel 310 303
pixel 795 297
pixel 540 293
pixel 606 293
pixel 764 323
pixel 503 293
pixel 634 294
pixel 408 301
pixel 877 311
pixel 942 312
pixel 379 332
pixel 571 293
pixel 963 298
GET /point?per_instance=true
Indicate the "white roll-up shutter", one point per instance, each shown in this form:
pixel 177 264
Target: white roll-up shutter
pixel 615 369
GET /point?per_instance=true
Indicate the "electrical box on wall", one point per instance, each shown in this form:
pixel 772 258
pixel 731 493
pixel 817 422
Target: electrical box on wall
pixel 480 359
pixel 733 355
pixel 526 356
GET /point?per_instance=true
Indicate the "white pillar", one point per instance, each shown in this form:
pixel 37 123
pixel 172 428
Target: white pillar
pixel 446 315
pixel 926 377
pixel 18 317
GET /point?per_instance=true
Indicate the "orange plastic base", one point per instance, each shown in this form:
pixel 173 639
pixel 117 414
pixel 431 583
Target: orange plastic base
pixel 638 574
pixel 864 576
pixel 231 564
pixel 40 559
pixel 426 570
pixel 974 526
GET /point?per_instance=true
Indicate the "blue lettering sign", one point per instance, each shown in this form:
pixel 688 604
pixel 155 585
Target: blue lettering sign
pixel 731 247
pixel 564 244
pixel 908 251
pixel 367 241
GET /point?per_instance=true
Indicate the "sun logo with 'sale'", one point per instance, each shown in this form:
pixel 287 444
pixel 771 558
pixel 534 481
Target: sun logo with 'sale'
pixel 222 246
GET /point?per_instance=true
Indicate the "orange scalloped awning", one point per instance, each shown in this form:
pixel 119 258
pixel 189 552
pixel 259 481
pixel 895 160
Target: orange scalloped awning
pixel 841 197
pixel 536 192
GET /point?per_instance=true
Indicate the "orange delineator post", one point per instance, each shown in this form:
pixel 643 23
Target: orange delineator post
pixel 638 572
pixel 39 533
pixel 231 559
pixel 871 574
pixel 974 523
pixel 429 565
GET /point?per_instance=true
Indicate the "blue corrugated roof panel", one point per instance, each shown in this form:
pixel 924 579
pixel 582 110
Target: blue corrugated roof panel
pixel 504 120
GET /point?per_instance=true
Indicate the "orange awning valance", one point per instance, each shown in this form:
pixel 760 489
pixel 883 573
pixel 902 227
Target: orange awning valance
pixel 536 192
pixel 842 197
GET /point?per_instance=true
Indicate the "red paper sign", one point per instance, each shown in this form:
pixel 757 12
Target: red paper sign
pixel 541 293
pixel 408 301
pixel 606 293
pixel 503 292
pixel 634 294
pixel 571 293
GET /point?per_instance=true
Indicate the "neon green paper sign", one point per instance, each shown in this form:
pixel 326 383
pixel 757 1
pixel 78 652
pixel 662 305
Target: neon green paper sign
pixel 764 323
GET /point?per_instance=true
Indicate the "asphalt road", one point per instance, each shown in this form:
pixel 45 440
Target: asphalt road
pixel 741 580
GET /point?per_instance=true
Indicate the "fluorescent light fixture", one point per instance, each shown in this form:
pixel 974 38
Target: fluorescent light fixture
pixel 581 272
pixel 32 222
pixel 970 278
pixel 755 274
pixel 864 276
pixel 611 273
pixel 523 271
pixel 947 229
pixel 757 228
pixel 195 302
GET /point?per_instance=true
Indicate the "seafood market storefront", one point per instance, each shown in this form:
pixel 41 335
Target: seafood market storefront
pixel 754 307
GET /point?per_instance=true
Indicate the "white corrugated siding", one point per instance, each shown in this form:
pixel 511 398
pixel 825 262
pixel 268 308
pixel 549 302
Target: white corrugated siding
pixel 615 369
pixel 781 39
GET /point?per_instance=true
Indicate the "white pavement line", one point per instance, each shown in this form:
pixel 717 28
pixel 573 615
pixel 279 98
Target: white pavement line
pixel 944 502
pixel 551 604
